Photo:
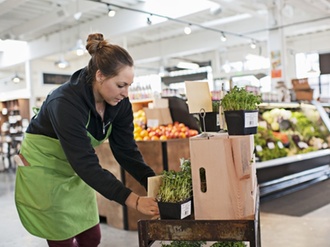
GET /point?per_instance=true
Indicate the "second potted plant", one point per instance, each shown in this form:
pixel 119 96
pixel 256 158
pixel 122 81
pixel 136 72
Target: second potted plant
pixel 240 108
pixel 175 192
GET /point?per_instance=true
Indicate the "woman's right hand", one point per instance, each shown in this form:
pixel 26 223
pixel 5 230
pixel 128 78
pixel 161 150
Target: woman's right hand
pixel 143 204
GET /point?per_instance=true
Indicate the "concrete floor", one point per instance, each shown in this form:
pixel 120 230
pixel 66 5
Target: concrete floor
pixel 276 230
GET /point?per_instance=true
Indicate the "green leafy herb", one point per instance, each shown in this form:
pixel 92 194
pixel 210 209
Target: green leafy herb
pixel 228 244
pixel 178 243
pixel 176 186
pixel 240 99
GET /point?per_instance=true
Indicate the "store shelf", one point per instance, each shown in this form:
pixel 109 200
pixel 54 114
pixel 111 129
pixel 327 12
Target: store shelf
pixel 140 104
pixel 14 115
pixel 293 159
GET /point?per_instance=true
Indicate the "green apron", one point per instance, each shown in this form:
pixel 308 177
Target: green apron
pixel 52 201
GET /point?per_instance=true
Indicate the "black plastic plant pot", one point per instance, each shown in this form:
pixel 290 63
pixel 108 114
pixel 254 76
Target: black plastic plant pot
pixel 212 123
pixel 177 211
pixel 241 122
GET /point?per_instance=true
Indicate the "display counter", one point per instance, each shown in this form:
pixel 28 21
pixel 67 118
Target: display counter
pixel 305 157
pixel 283 175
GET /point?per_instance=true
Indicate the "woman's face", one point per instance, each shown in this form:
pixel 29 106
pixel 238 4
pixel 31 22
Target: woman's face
pixel 113 90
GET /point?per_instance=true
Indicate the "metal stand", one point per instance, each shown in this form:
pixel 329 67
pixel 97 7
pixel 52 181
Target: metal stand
pixel 202 113
pixel 201 230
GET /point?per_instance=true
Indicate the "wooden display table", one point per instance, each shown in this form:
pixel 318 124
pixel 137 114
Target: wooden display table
pixel 201 230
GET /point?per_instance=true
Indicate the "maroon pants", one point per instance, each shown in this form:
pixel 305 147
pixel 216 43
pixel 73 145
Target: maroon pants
pixel 88 238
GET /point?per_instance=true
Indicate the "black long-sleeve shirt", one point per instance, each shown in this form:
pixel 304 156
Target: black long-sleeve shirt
pixel 64 116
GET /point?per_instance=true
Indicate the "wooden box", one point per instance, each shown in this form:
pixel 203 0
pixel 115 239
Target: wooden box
pixel 304 94
pixel 300 84
pixel 159 155
pixel 224 177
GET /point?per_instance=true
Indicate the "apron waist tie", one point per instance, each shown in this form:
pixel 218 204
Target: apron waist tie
pixel 20 160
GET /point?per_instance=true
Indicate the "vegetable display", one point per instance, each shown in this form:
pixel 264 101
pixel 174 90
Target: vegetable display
pixel 283 132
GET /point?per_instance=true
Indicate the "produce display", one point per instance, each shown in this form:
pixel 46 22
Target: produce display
pixel 140 119
pixel 163 132
pixel 284 132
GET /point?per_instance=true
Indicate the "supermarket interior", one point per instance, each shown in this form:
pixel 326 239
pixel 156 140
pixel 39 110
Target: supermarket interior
pixel 195 64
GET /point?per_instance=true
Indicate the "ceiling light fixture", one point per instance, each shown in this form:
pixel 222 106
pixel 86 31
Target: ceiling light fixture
pixel 79 48
pixel 16 78
pixel 111 12
pixel 223 37
pixel 77 15
pixel 149 22
pixel 187 65
pixel 187 29
pixel 253 44
pixel 62 63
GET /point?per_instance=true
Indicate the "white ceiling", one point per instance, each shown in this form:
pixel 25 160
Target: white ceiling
pixel 240 20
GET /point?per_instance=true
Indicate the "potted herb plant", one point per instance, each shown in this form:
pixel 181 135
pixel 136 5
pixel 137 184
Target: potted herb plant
pixel 175 192
pixel 240 109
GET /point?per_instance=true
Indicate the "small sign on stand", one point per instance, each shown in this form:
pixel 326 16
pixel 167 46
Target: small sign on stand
pixel 200 102
pixel 199 96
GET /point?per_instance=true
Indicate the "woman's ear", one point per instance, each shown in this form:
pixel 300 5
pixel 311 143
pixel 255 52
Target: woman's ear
pixel 99 76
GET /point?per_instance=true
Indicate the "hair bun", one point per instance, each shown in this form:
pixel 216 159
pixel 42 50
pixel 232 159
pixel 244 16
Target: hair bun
pixel 95 36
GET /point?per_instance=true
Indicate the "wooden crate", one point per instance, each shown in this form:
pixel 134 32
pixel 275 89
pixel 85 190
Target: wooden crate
pixel 304 94
pixel 112 211
pixel 300 84
pixel 230 177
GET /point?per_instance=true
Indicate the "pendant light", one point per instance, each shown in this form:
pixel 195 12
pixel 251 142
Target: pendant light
pixel 111 11
pixel 16 78
pixel 79 48
pixel 62 63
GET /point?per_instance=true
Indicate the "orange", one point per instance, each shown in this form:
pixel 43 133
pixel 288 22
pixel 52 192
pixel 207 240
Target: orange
pixel 163 137
pixel 144 133
pixel 154 138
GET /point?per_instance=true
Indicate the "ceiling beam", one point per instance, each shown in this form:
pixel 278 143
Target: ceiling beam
pixel 8 5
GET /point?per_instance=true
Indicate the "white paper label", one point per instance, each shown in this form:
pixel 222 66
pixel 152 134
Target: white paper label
pixel 185 209
pixel 271 145
pixel 251 119
pixel 302 145
pixel 152 123
pixel 258 148
pixel 280 145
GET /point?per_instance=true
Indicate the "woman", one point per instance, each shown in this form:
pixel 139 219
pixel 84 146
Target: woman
pixel 54 193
